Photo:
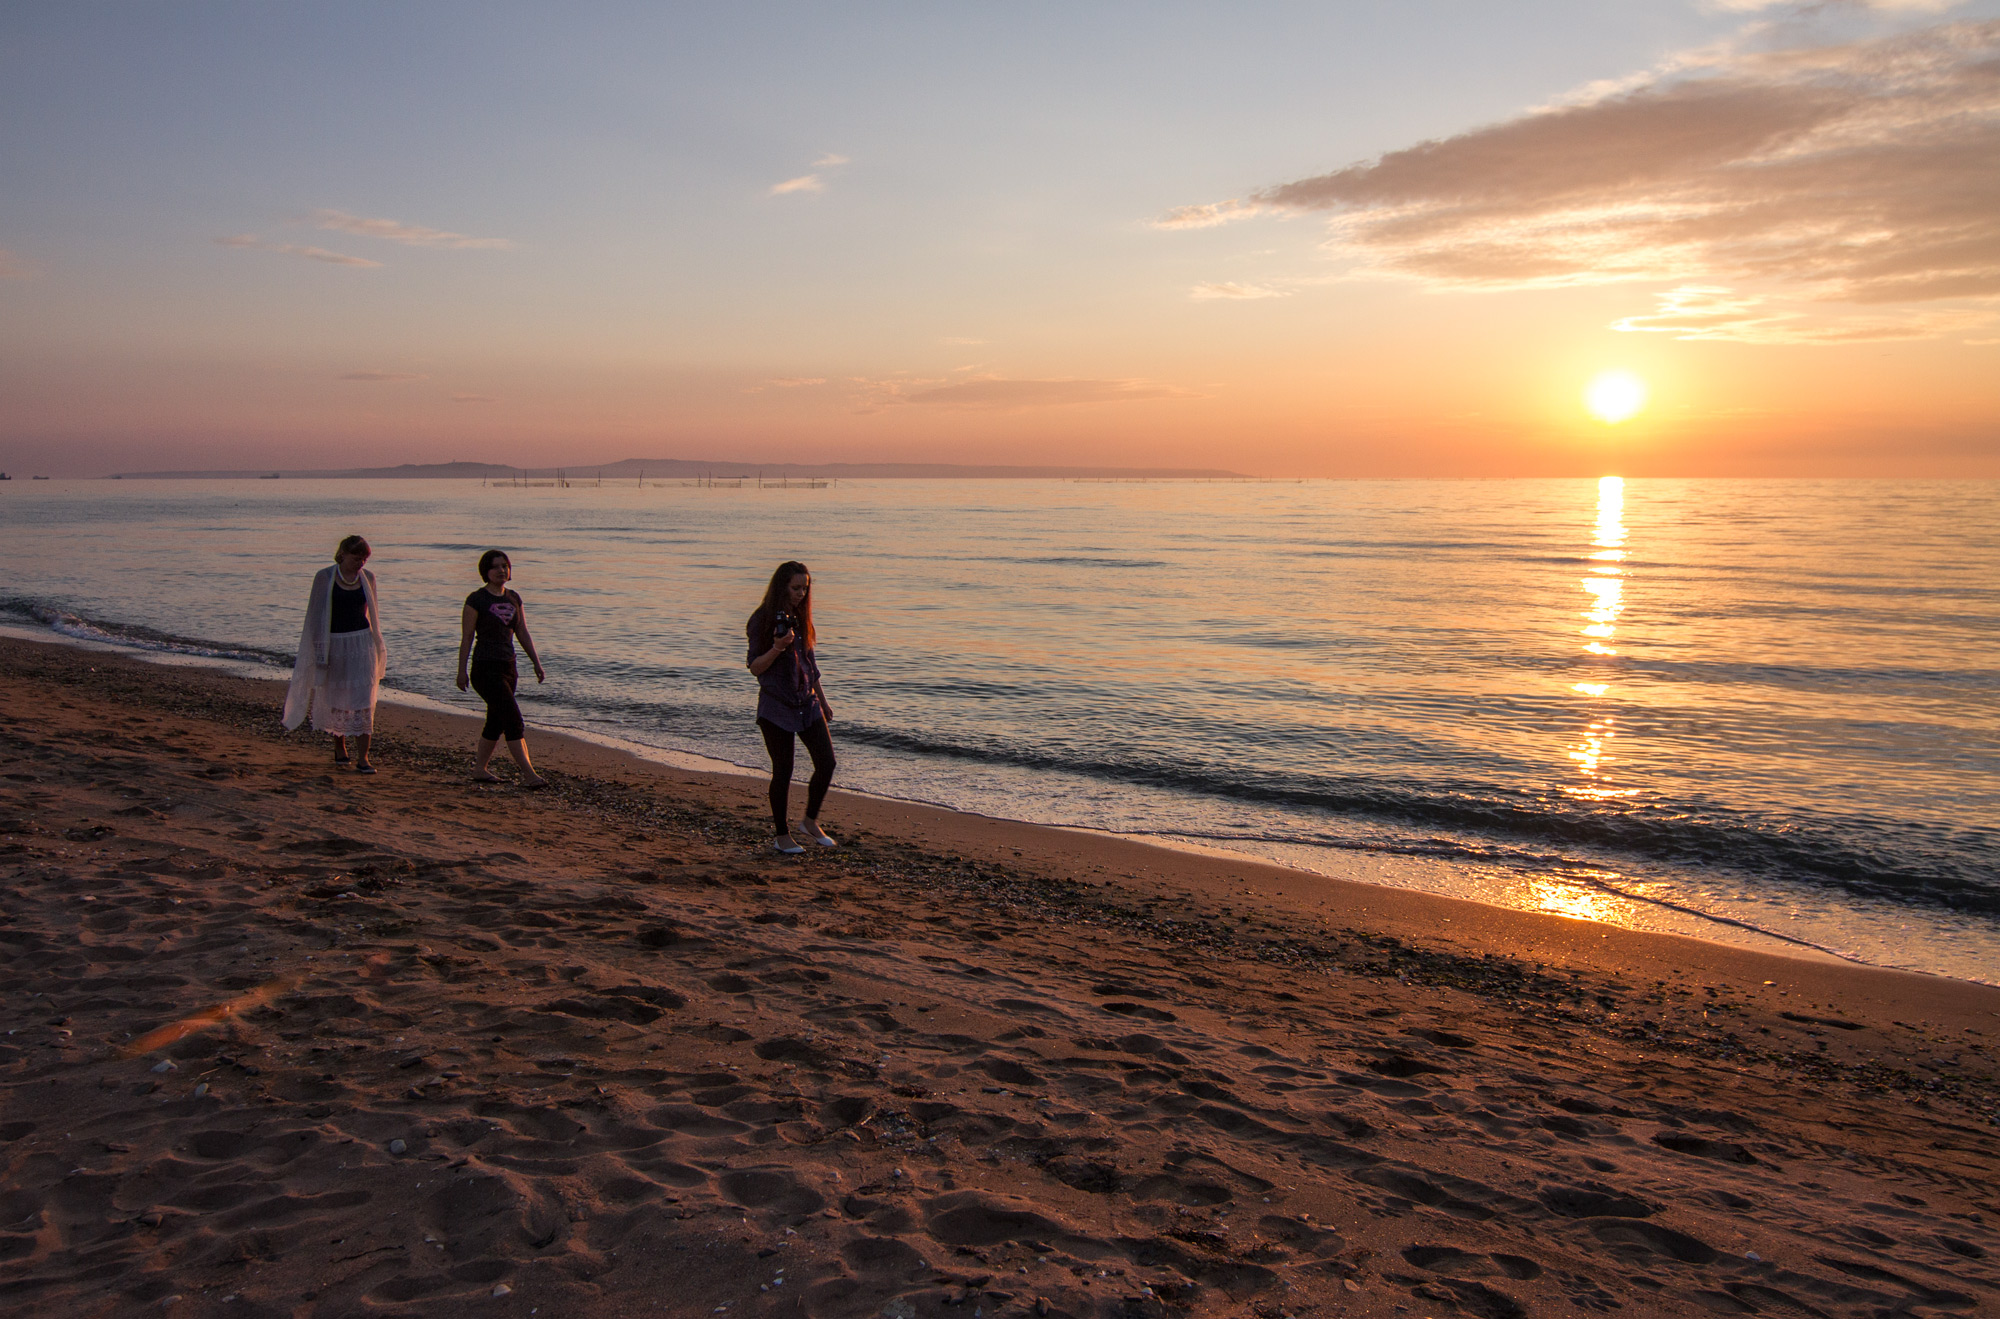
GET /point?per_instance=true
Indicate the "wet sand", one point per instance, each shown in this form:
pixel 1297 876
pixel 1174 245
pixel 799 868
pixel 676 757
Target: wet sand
pixel 285 1040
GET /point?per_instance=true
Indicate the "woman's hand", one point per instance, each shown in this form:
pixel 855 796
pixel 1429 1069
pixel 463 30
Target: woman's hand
pixel 539 675
pixel 463 683
pixel 779 645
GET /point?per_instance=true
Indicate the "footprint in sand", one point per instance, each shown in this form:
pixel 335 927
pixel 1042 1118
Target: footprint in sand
pixel 1456 1263
pixel 776 1190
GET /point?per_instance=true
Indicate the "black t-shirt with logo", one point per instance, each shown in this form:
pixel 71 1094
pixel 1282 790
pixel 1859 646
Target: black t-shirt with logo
pixel 493 626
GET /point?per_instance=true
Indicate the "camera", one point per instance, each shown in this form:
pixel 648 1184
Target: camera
pixel 781 626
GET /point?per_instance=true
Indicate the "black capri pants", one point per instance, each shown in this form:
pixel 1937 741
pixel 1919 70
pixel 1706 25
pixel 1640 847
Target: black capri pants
pixel 819 745
pixel 495 684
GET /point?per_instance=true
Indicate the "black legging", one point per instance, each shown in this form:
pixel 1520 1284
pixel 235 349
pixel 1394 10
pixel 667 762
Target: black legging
pixel 819 745
pixel 495 685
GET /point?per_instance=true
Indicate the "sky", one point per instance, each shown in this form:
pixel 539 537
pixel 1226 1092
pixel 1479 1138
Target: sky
pixel 1303 239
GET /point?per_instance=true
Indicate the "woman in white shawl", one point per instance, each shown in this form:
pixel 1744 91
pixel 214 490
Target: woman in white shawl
pixel 341 655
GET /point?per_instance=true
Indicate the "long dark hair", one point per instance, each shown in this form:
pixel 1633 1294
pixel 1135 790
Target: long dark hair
pixel 777 600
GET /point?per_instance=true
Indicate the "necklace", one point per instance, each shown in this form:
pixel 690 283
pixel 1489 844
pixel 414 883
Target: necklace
pixel 346 585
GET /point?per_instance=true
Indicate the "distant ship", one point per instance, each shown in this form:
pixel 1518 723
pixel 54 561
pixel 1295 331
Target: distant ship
pixel 38 478
pixel 5 477
pixel 272 477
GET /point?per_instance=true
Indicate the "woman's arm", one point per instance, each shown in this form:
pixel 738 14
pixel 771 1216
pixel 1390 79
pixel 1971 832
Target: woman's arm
pixel 520 626
pixel 467 622
pixel 760 664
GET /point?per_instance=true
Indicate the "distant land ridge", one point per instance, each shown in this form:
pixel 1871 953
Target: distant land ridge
pixel 689 468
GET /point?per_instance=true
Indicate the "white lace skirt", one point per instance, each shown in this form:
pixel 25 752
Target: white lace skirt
pixel 346 705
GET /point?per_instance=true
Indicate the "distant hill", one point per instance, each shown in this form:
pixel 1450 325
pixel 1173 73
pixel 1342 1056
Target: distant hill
pixel 689 468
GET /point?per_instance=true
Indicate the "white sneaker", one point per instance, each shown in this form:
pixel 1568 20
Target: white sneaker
pixel 812 830
pixel 783 843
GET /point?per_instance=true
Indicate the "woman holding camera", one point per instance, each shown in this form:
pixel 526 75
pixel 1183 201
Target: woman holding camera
pixel 790 704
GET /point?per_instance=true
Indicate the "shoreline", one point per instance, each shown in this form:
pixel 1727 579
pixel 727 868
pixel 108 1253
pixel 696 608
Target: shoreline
pixel 296 1042
pixel 1336 865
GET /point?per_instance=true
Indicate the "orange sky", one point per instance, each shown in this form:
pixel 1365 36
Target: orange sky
pixel 1036 238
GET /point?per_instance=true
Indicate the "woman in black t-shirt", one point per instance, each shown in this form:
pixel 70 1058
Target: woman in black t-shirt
pixel 494 616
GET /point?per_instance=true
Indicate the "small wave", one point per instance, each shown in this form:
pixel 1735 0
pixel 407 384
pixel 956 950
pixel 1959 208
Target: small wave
pixel 132 635
pixel 1079 561
pixel 1575 872
pixel 1872 858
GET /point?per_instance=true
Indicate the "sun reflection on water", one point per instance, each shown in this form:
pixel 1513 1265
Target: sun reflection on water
pixel 1561 897
pixel 1606 589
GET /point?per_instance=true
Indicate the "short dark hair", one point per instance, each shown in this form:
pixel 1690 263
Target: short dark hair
pixel 486 561
pixel 352 545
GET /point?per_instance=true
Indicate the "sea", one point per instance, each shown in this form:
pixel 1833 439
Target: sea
pixel 1759 712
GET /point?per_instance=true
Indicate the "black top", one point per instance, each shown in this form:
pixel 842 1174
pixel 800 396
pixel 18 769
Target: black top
pixel 493 628
pixel 350 609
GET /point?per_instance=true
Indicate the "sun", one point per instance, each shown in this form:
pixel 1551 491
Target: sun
pixel 1615 396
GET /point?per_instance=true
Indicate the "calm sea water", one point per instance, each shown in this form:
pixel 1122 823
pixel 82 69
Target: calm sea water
pixel 1746 710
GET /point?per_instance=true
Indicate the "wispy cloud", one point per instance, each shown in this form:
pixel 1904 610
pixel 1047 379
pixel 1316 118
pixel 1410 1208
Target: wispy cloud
pixel 473 398
pixel 253 242
pixel 1861 173
pixel 1208 216
pixel 1700 312
pixel 996 393
pixel 395 231
pixel 1887 6
pixel 1237 292
pixel 810 182
pixel 381 377
pixel 796 382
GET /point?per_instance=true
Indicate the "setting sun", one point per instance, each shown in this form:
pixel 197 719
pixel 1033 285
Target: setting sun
pixel 1615 396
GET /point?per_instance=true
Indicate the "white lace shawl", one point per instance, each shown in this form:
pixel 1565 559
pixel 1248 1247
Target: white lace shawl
pixel 309 670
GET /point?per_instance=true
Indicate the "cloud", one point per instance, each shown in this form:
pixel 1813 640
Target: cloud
pixel 1699 312
pixel 995 393
pixel 381 376
pixel 1859 173
pixel 1888 6
pixel 796 382
pixel 253 242
pixel 11 266
pixel 1209 216
pixel 473 398
pixel 394 231
pixel 810 182
pixel 1240 292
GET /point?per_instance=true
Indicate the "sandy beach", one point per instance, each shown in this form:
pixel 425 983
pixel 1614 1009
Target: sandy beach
pixel 286 1041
